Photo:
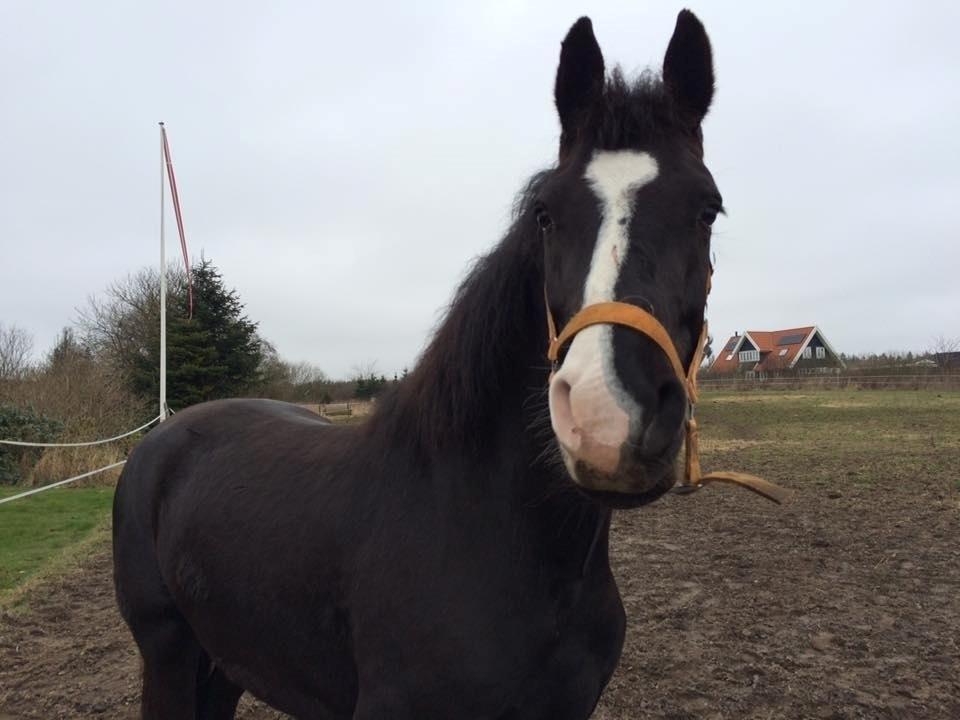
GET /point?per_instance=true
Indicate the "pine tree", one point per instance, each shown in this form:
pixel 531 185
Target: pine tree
pixel 369 386
pixel 214 354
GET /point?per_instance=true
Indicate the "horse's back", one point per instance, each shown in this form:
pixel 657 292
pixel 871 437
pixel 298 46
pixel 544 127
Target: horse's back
pixel 221 426
pixel 198 451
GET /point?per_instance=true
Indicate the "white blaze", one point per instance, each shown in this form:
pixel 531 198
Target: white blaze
pixel 589 407
pixel 615 178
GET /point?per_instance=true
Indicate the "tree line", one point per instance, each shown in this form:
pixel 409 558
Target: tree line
pixel 102 375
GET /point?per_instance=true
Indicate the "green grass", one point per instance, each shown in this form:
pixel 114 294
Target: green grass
pixel 829 435
pixel 38 530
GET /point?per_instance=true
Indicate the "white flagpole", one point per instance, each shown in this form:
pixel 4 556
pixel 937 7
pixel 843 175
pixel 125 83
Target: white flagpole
pixel 163 288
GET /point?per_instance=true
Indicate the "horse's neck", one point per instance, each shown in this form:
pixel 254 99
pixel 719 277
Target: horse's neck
pixel 476 405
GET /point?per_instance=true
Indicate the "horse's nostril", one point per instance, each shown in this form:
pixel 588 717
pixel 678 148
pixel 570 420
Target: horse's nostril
pixel 561 415
pixel 666 419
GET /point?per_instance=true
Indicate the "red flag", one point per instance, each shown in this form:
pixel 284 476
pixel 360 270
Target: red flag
pixel 179 215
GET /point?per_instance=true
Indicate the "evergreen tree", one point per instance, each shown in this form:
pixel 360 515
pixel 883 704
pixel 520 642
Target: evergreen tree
pixel 214 354
pixel 369 386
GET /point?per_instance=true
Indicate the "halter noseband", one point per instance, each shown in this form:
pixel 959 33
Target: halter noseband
pixel 631 316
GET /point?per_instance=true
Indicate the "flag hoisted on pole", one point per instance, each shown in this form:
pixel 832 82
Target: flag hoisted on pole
pixel 178 214
pixel 166 168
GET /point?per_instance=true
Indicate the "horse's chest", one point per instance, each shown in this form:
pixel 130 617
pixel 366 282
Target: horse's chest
pixel 576 664
pixel 503 651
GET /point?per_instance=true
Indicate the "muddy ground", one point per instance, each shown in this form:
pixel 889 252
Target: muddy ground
pixel 844 603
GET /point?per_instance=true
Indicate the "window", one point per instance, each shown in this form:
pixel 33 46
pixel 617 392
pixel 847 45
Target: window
pixel 730 356
pixel 821 353
pixel 749 355
pixel 791 340
pixel 807 353
pixel 783 352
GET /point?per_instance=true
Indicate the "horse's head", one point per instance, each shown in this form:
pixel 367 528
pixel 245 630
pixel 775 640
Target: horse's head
pixel 627 216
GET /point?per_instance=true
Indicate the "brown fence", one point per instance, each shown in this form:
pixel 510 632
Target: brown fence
pixel 932 381
pixel 357 408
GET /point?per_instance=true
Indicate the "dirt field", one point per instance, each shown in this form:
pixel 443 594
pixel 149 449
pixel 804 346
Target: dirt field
pixel 843 604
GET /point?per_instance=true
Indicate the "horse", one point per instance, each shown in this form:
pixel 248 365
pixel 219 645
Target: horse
pixel 448 557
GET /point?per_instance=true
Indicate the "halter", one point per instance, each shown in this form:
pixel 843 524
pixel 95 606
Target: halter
pixel 631 316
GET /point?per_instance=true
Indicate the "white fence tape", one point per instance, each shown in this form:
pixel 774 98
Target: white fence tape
pixel 22 443
pixel 34 491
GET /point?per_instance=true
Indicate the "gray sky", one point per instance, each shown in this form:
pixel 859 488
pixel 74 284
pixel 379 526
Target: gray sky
pixel 342 163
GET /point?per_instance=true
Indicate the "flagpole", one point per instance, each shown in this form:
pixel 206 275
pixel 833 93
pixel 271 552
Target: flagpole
pixel 163 288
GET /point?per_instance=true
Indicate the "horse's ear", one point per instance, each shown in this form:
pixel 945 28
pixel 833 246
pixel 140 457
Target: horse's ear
pixel 688 68
pixel 579 81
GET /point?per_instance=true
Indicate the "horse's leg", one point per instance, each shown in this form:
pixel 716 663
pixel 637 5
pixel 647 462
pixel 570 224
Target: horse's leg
pixel 217 697
pixel 171 656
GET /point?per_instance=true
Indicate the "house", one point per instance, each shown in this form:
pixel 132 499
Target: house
pixel 763 352
pixel 947 360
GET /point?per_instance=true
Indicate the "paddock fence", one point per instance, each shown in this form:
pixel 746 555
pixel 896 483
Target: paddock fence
pixel 931 381
pixel 351 408
pixel 89 443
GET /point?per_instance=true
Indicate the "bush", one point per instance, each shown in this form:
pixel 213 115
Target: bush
pixel 83 399
pixel 23 424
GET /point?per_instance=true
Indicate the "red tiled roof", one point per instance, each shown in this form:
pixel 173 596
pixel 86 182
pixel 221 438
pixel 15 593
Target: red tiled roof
pixel 721 364
pixel 768 342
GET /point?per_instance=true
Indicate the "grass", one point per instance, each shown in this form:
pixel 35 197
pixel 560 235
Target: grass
pixel 46 529
pixel 815 436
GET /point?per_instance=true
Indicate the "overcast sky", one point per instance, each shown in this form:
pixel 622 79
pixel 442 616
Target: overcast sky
pixel 342 163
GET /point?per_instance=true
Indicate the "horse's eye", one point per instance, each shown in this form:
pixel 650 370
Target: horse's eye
pixel 544 221
pixel 709 214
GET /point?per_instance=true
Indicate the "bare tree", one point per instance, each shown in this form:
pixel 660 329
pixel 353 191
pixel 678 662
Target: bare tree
pixel 304 373
pixel 68 395
pixel 368 368
pixel 16 346
pixel 121 325
pixel 943 351
pixel 293 382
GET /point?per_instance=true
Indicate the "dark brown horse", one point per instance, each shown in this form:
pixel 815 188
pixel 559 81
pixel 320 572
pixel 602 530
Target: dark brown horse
pixel 448 557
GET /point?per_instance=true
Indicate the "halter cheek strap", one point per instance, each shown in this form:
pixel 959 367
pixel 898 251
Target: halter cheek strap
pixel 631 316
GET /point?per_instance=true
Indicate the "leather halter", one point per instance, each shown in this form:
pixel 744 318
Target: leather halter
pixel 631 316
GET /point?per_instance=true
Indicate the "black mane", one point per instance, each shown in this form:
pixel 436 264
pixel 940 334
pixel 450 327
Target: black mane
pixel 634 113
pixel 491 338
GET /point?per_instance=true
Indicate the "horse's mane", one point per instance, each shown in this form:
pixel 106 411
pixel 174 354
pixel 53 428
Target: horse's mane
pixel 634 113
pixel 474 361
